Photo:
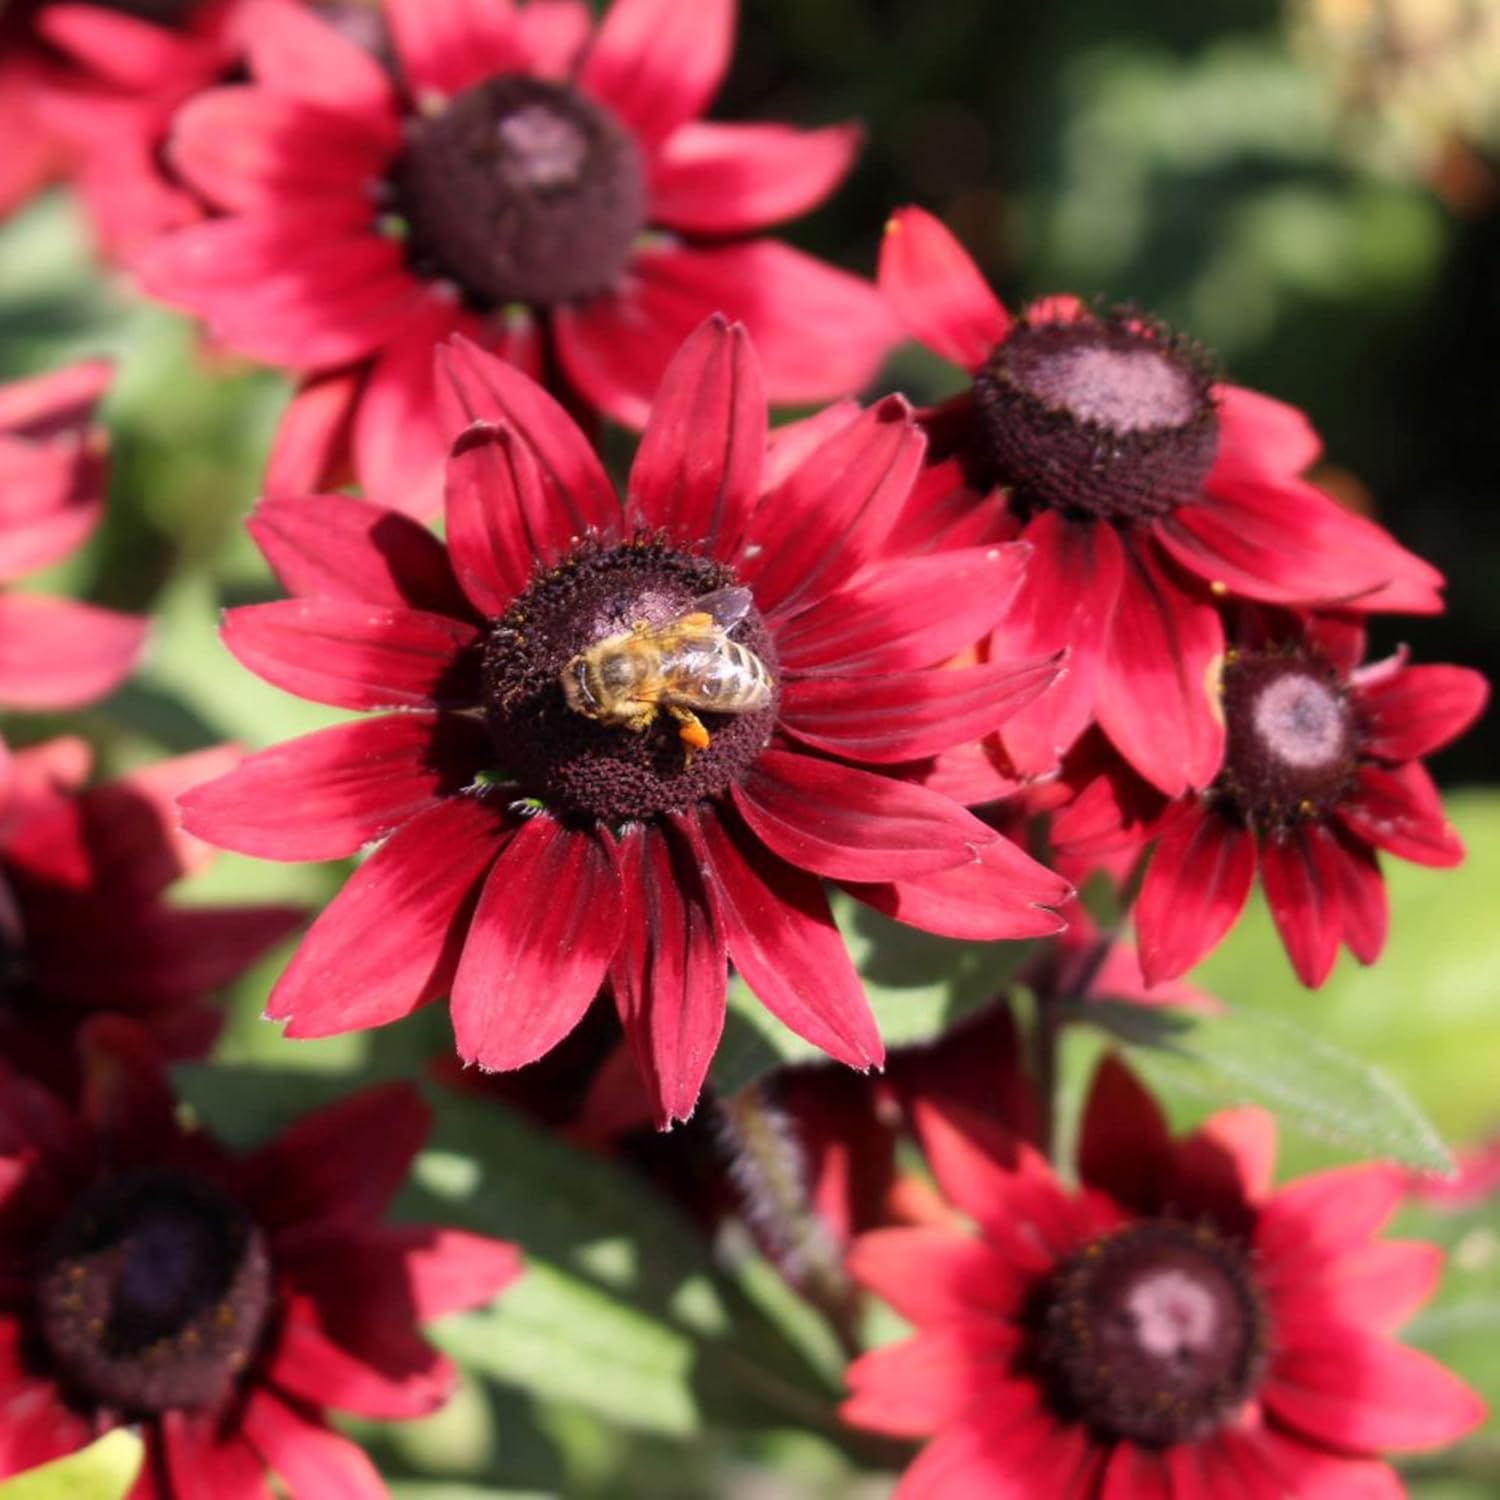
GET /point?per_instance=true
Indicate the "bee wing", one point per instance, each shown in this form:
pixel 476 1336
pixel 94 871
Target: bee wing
pixel 725 607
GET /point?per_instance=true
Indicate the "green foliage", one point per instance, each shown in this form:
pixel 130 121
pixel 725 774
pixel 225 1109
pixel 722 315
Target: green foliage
pixel 105 1470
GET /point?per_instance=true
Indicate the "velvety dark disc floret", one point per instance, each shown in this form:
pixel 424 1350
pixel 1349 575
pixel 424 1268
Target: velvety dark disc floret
pixel 1153 1334
pixel 1109 418
pixel 601 770
pixel 154 1292
pixel 520 190
pixel 1290 748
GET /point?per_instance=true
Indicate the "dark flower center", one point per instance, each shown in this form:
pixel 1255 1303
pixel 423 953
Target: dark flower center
pixel 520 191
pixel 1290 737
pixel 153 1293
pixel 1112 419
pixel 591 766
pixel 1154 1334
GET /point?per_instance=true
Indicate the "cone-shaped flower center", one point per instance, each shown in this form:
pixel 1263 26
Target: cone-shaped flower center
pixel 520 191
pixel 1291 742
pixel 1154 1334
pixel 1111 419
pixel 153 1293
pixel 593 677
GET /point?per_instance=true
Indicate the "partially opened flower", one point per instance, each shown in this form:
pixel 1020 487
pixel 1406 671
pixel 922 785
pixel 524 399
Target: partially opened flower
pixel 55 653
pixel 1322 768
pixel 1177 1327
pixel 86 926
pixel 1147 490
pixel 545 824
pixel 219 1305
pixel 540 184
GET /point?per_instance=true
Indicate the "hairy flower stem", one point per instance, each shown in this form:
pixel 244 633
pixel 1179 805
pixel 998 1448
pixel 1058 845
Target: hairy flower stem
pixel 769 1169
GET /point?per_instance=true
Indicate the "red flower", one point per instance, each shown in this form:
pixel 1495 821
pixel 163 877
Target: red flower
pixel 533 849
pixel 242 1297
pixel 32 157
pixel 603 227
pixel 1145 488
pixel 84 928
pixel 1176 1328
pixel 55 653
pixel 1322 768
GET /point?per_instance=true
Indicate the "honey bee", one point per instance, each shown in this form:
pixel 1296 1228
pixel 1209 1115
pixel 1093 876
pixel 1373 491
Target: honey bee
pixel 685 665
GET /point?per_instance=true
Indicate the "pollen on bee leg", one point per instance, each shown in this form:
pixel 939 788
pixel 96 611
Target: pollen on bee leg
pixel 692 733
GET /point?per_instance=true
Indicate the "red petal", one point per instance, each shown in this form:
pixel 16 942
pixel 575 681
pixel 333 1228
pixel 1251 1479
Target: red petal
pixel 1378 1286
pixel 1302 889
pixel 883 621
pixel 446 45
pixel 937 290
pixel 51 499
pixel 1354 872
pixel 55 404
pixel 1137 1474
pixel 669 976
pixel 910 715
pixel 447 1270
pixel 923 1384
pixel 783 941
pixel 657 63
pixel 732 179
pixel 339 1165
pixel 1261 435
pixel 308 1458
pixel 1325 1214
pixel 547 926
pixel 1401 811
pixel 1196 887
pixel 1066 602
pixel 1125 1149
pixel 1246 1137
pixel 57 653
pixel 1158 692
pixel 830 516
pixel 1418 710
pixel 298 54
pixel 337 547
pixel 388 941
pixel 128 52
pixel 328 794
pixel 936 1275
pixel 552 33
pixel 854 825
pixel 311 448
pixel 357 655
pixel 204 1462
pixel 697 471
pixel 1355 1390
pixel 1288 543
pixel 1001 893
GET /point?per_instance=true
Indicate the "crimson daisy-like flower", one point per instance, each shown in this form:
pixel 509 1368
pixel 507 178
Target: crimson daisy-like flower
pixel 55 653
pixel 539 184
pixel 219 1305
pixel 530 848
pixel 85 926
pixel 1322 769
pixel 1147 490
pixel 1177 1327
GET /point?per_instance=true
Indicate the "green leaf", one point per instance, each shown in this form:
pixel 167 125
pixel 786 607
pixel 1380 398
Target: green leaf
pixel 103 1471
pixel 919 987
pixel 1245 1056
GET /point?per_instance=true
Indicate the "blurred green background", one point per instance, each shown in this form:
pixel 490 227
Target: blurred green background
pixel 1309 188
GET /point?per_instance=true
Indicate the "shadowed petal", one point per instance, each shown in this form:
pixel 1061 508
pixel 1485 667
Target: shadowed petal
pixel 1401 811
pixel 1125 1149
pixel 1302 889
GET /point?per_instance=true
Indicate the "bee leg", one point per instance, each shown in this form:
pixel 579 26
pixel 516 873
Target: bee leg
pixel 690 731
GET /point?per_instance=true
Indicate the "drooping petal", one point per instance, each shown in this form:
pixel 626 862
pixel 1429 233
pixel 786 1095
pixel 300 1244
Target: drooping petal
pixel 1196 887
pixel 1263 436
pixel 1401 811
pixel 783 942
pixel 657 63
pixel 1157 696
pixel 446 45
pixel 715 179
pixel 937 290
pixel 337 547
pixel 1417 710
pixel 1066 601
pixel 548 923
pixel 669 976
pixel 58 653
pixel 854 825
pixel 1302 885
pixel 1359 1391
pixel 353 655
pixel 328 794
pixel 308 1457
pixel 389 940
pixel 831 515
pixel 1286 542
pixel 910 715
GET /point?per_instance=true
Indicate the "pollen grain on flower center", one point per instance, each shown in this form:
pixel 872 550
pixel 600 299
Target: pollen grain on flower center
pixel 519 190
